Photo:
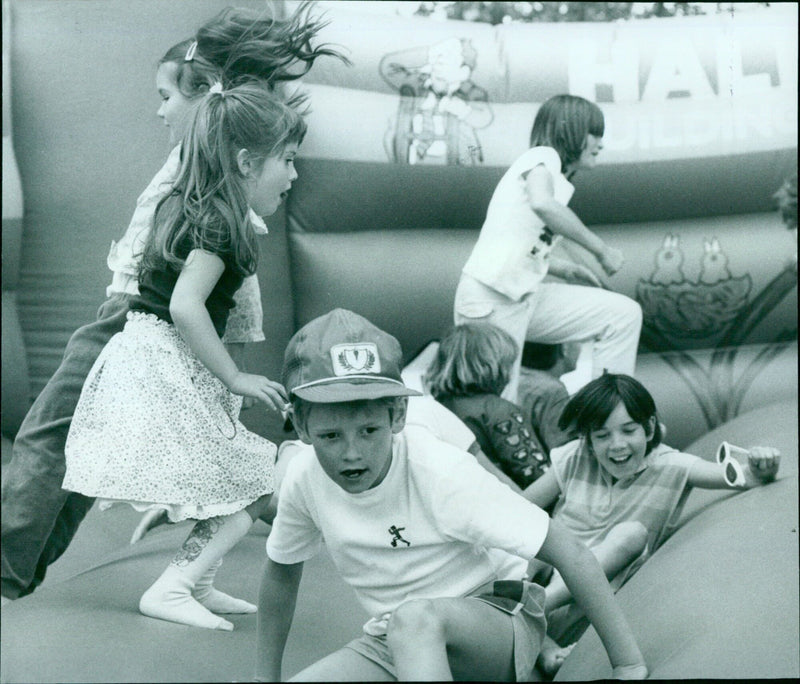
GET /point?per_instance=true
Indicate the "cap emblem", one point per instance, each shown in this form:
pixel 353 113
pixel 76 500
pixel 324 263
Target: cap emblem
pixel 352 359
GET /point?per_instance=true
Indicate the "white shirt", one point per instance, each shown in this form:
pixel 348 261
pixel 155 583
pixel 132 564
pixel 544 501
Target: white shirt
pixel 510 255
pixel 438 525
pixel 425 411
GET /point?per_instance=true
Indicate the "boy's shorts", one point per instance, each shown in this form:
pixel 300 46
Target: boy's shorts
pixel 523 601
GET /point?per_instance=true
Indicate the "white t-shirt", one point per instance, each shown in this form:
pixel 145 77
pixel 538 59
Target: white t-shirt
pixel 425 411
pixel 438 525
pixel 511 255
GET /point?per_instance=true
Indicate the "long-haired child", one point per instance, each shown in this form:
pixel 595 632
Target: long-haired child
pixel 619 489
pixel 157 424
pixel 39 518
pixel 501 282
pixel 471 369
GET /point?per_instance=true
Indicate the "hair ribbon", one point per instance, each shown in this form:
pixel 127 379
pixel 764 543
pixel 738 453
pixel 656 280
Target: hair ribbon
pixel 217 88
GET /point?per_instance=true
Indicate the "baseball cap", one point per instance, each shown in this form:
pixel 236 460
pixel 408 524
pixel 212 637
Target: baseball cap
pixel 341 356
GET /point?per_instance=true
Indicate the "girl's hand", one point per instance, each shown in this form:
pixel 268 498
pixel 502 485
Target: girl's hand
pixel 611 259
pixel 582 275
pixel 763 462
pixel 258 387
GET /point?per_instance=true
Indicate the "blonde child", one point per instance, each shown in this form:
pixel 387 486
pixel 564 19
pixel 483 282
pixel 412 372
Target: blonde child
pixel 157 424
pixel 501 283
pixel 618 488
pixel 435 547
pixel 39 518
pixel 468 374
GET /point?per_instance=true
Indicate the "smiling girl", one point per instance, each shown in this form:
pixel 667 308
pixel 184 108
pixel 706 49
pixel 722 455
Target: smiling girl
pixel 501 283
pixel 618 488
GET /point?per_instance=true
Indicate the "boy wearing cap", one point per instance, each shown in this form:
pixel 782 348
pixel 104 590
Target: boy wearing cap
pixel 435 547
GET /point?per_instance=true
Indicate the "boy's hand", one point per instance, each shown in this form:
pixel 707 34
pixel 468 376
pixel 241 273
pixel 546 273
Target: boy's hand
pixel 611 259
pixel 764 462
pixel 258 387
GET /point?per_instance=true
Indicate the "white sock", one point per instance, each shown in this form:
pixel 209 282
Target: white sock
pixel 218 601
pixel 170 598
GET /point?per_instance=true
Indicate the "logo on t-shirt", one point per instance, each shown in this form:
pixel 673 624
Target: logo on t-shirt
pixel 394 530
pixel 544 243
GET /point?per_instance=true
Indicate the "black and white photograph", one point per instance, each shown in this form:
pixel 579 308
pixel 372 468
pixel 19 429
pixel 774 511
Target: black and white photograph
pixel 364 340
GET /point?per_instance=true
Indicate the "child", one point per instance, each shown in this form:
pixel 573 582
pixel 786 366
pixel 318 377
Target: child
pixel 434 546
pixel 542 395
pixel 157 421
pixel 469 372
pixel 618 488
pixel 501 282
pixel 39 518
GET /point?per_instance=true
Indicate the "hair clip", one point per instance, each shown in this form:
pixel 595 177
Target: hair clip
pixel 217 88
pixel 190 52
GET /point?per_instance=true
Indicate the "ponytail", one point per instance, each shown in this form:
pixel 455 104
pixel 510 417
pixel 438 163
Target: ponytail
pixel 207 206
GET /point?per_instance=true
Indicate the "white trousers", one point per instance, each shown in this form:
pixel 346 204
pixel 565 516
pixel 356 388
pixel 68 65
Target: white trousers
pixel 558 313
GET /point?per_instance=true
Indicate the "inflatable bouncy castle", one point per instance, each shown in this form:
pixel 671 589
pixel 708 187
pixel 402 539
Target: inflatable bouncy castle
pixel 404 149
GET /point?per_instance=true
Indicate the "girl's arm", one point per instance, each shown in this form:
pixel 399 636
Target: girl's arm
pixel 543 492
pixel 762 467
pixel 573 273
pixel 564 221
pixel 277 597
pixel 588 585
pixel 187 307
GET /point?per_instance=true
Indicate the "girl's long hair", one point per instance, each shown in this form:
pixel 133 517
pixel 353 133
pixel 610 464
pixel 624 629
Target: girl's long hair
pixel 473 358
pixel 208 207
pixel 591 406
pixel 240 44
pixel 563 122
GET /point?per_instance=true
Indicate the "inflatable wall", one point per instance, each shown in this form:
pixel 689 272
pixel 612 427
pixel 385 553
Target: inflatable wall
pixel 403 152
pixel 406 145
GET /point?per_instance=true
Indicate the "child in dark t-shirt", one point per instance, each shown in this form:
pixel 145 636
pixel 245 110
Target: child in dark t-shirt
pixel 470 370
pixel 542 396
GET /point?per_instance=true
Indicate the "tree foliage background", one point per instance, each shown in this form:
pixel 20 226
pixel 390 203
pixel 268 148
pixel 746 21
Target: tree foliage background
pixel 506 12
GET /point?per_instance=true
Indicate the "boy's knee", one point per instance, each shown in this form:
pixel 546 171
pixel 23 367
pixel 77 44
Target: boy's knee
pixel 416 618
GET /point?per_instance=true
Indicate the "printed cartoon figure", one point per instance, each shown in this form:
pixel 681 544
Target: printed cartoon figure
pixel 683 310
pixel 669 262
pixel 718 308
pixel 440 107
pixel 714 266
